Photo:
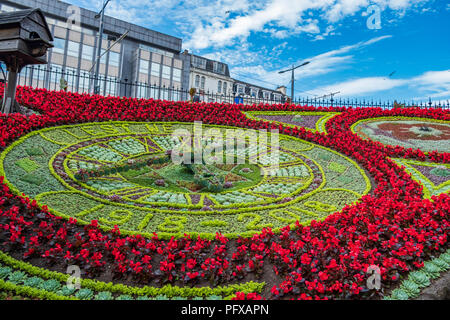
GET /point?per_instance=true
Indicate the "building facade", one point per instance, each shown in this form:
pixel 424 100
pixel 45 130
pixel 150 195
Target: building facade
pixel 213 82
pixel 145 64
pixel 143 56
pixel 211 79
pixel 248 93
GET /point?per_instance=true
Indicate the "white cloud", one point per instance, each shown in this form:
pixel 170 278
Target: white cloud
pixel 321 64
pixel 204 24
pixel 434 84
pixel 286 17
pixel 361 86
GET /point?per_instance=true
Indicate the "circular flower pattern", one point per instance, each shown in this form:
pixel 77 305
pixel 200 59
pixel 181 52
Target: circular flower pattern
pixel 424 134
pixel 115 173
pixel 393 229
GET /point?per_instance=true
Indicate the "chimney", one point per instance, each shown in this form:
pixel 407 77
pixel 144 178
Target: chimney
pixel 282 89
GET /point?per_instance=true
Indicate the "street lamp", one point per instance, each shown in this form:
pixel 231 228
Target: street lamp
pixel 100 15
pixel 293 78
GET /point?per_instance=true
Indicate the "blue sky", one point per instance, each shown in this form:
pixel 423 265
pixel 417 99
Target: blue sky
pixel 406 56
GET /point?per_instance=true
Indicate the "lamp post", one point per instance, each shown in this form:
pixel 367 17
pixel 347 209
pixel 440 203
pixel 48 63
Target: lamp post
pixel 293 78
pixel 100 15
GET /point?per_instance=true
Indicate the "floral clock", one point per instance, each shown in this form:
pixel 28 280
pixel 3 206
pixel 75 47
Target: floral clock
pixel 310 183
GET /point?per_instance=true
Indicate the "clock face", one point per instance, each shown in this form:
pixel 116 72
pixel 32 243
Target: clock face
pixel 416 133
pixel 121 173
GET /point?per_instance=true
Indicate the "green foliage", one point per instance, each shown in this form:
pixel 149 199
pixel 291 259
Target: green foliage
pixel 411 288
pixel 420 278
pixel 104 295
pixel 124 297
pixel 431 270
pixel 4 272
pixel 17 277
pixel 441 264
pixel 51 285
pixel 399 294
pixel 66 291
pixel 33 179
pixel 27 164
pixel 34 282
pixel 35 151
pixel 445 257
pixel 84 294
pixel 337 167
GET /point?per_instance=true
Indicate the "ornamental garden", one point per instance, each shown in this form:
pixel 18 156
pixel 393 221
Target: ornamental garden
pixel 300 203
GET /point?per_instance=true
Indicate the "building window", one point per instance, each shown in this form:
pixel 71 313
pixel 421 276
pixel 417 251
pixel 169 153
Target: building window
pixel 202 86
pixel 199 62
pixel 87 31
pixel 155 69
pixel 73 49
pixel 219 87
pixel 224 88
pixel 88 52
pixel 103 56
pixel 176 75
pixel 240 89
pixel 143 66
pixel 218 67
pixel 166 72
pixel 59 45
pixel 158 51
pixel 114 59
pixel 197 81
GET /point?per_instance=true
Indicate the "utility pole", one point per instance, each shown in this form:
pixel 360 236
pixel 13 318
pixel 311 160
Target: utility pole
pixel 101 14
pixel 293 77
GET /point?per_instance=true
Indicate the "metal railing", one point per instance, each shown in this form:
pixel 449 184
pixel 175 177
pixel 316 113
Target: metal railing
pixel 55 78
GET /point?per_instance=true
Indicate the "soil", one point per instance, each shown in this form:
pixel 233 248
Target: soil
pixel 438 290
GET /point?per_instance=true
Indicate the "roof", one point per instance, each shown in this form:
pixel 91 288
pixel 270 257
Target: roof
pixel 258 87
pixel 16 17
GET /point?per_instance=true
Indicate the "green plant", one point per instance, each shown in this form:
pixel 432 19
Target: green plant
pixel 104 295
pixel 4 272
pixel 51 285
pixel 420 278
pixel 84 294
pixel 441 264
pixel 34 282
pixel 17 277
pixel 431 270
pixel 411 288
pixel 124 297
pixel 399 294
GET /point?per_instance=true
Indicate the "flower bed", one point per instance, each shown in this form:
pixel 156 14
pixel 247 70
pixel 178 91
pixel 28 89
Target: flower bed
pixel 425 134
pixel 393 227
pixel 312 182
pixel 310 120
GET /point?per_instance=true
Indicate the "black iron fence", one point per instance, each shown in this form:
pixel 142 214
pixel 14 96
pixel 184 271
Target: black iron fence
pixel 56 78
